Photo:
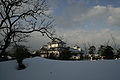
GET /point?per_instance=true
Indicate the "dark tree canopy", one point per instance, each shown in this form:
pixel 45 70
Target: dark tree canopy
pixel 66 54
pixel 106 51
pixel 91 49
pixel 21 52
pixel 118 53
pixel 19 18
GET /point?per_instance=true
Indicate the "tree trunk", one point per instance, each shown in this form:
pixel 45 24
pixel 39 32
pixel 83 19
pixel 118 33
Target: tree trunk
pixel 20 64
pixel 7 43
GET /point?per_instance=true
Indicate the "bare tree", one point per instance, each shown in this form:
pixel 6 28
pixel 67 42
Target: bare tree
pixel 19 18
pixel 114 44
pixel 85 47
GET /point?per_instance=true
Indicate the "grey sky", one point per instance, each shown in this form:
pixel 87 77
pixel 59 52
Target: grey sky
pixel 83 21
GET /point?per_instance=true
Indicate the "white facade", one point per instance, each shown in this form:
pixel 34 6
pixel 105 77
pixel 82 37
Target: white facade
pixel 54 45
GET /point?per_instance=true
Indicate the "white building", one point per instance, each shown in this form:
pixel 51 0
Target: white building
pixel 53 49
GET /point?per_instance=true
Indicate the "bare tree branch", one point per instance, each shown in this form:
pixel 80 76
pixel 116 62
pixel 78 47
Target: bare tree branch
pixel 19 18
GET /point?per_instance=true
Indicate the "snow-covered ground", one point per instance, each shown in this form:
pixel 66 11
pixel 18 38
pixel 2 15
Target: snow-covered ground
pixel 44 69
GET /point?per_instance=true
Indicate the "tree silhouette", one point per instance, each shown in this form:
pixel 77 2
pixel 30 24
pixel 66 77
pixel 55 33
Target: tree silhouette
pixel 118 53
pixel 106 51
pixel 66 54
pixel 19 18
pixel 92 49
pixel 21 52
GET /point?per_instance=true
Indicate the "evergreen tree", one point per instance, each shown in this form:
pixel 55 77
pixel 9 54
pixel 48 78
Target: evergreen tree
pixel 118 53
pixel 21 52
pixel 92 49
pixel 106 51
pixel 92 52
pixel 66 54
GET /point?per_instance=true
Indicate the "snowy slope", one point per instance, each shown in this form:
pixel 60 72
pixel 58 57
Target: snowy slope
pixel 44 69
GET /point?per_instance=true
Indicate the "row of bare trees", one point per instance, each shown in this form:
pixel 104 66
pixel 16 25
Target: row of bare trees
pixel 109 49
pixel 19 18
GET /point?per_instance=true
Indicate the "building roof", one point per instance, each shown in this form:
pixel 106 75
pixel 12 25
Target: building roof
pixel 57 40
pixel 74 50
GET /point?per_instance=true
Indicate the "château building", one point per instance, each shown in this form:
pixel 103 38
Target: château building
pixel 57 49
pixel 52 49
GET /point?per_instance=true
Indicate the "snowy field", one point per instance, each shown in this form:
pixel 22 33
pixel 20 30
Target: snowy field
pixel 44 69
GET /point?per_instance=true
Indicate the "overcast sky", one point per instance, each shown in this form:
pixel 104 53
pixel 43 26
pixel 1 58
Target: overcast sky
pixel 81 21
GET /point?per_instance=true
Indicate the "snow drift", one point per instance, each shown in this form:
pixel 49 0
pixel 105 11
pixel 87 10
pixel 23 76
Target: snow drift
pixel 44 69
